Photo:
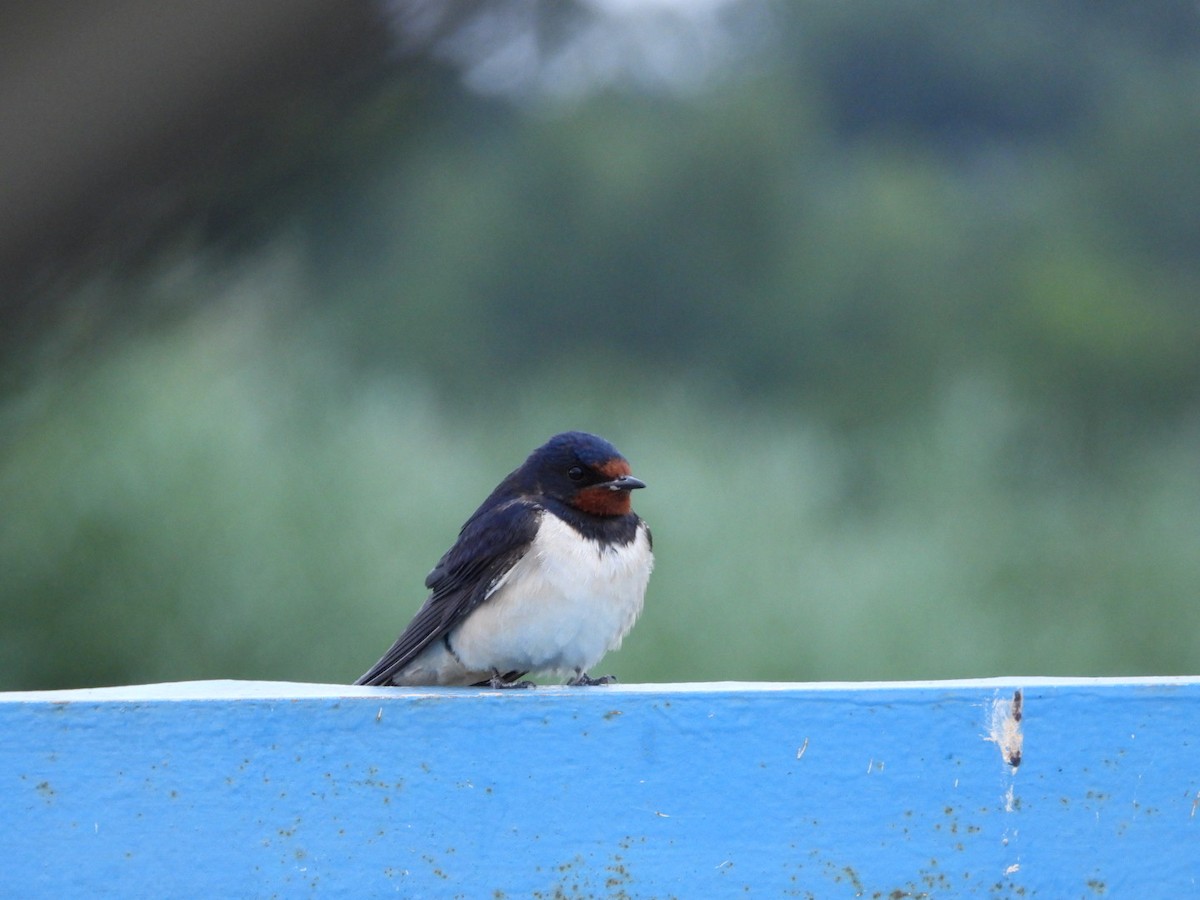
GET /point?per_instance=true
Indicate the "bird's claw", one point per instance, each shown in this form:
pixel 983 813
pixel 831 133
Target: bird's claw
pixel 583 679
pixel 498 683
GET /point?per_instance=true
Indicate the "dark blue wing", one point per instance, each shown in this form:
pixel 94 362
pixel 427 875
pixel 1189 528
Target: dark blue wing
pixel 488 546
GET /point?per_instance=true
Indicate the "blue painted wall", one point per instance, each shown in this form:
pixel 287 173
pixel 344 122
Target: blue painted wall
pixel 227 789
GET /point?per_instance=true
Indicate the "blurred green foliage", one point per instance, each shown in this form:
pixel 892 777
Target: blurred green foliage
pixel 900 325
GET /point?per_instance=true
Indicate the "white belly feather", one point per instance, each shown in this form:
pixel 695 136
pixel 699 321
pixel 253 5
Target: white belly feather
pixel 565 604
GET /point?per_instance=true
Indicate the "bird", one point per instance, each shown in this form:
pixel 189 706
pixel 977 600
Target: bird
pixel 547 576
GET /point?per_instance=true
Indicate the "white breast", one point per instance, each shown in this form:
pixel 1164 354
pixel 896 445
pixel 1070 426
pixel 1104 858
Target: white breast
pixel 565 604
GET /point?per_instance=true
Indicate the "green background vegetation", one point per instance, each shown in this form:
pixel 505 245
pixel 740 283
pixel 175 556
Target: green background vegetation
pixel 897 315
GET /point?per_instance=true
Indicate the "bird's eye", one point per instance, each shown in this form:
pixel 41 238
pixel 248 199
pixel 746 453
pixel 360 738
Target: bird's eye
pixel 575 473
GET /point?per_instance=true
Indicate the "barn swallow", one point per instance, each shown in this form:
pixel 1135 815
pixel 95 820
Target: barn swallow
pixel 547 576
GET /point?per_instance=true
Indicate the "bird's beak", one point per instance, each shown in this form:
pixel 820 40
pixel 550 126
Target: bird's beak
pixel 624 483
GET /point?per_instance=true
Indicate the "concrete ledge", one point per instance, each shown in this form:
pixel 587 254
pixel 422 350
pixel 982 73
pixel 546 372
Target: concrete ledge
pixel 999 787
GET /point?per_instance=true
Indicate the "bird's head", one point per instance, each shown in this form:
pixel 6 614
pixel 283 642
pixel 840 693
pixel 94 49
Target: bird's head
pixel 583 471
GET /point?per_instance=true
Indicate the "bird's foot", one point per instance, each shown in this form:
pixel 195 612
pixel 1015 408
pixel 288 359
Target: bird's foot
pixel 583 679
pixel 507 681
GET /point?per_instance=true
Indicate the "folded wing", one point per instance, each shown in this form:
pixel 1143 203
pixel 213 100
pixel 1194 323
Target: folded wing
pixel 487 547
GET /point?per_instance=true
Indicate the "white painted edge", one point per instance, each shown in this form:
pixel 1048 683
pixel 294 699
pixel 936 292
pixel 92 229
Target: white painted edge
pixel 286 690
